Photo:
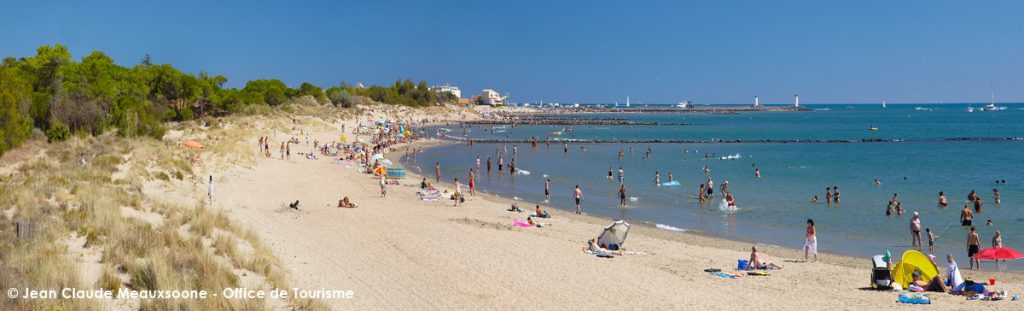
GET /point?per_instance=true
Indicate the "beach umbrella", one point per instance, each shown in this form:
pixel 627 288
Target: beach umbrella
pixel 613 235
pixel 377 156
pixel 192 144
pixel 998 253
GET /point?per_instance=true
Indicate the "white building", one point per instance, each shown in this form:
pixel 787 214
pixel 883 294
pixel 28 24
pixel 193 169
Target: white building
pixel 796 100
pixel 446 88
pixel 491 97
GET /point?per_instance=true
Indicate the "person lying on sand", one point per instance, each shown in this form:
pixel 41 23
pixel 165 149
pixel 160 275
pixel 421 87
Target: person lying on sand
pixel 597 249
pixel 346 203
pixel 540 212
pixel 935 285
pixel 757 263
pixel 515 208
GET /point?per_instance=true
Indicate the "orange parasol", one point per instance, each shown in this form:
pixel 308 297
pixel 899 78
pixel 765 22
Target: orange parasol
pixel 192 144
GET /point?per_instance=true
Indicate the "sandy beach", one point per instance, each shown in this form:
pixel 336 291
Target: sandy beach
pixel 397 252
pixel 401 253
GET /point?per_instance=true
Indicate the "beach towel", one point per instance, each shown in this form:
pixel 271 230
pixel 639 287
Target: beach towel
pixel 723 275
pixel 521 224
pixel 956 280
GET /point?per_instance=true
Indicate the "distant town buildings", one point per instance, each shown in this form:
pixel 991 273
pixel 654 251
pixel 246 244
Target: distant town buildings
pixel 446 88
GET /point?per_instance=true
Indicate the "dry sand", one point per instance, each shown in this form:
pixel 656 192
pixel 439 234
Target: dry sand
pixel 402 253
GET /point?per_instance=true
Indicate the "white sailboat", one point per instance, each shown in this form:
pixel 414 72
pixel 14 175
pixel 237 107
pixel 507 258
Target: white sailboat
pixel 627 101
pixel 992 105
pixel 883 104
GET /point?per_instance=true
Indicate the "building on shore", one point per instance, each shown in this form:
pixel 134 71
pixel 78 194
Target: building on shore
pixel 447 88
pixel 796 100
pixel 490 97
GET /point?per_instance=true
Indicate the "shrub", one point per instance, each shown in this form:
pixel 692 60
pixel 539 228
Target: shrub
pixel 58 132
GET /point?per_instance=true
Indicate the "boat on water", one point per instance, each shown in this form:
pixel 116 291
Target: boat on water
pixel 992 107
pixel 923 109
pixel 872 128
pixel 682 104
pixel 883 104
pixel 970 109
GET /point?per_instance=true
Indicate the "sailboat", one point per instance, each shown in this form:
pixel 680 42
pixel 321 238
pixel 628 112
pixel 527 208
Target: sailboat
pixel 627 101
pixel 883 104
pixel 992 105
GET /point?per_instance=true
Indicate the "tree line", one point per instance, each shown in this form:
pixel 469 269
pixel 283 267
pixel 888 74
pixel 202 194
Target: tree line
pixel 61 97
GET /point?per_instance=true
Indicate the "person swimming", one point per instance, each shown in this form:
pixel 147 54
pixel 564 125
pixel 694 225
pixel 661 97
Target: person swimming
pixel 942 200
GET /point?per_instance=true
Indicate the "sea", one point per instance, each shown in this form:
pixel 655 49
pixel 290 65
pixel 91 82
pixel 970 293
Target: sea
pixel 928 148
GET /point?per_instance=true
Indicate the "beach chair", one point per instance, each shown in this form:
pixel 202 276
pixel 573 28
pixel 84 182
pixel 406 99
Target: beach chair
pixel 881 276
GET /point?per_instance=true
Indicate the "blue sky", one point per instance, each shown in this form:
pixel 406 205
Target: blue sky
pixel 586 51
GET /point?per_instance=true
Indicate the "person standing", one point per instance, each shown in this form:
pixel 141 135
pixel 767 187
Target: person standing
pixel 578 196
pixel 702 194
pixel 997 240
pixel 477 163
pixel 973 246
pixel 472 183
pixel 437 172
pixel 657 178
pixel 383 186
pixel 943 202
pixel 622 195
pixel 458 192
pixel 931 240
pixel 828 195
pixel 915 231
pixel 835 195
pixel 547 190
pixel 488 165
pixel 995 196
pixel 811 241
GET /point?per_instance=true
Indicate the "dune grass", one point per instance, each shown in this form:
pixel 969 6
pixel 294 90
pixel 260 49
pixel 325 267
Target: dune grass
pixel 194 246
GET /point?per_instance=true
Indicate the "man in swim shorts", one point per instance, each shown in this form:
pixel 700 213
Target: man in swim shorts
pixel 966 216
pixel 973 246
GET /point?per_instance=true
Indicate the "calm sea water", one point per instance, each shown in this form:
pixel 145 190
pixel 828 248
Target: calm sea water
pixel 774 208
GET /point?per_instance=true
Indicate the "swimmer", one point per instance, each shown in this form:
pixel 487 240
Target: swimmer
pixel 878 182
pixel 657 178
pixel 622 195
pixel 814 199
pixel 828 194
pixel 670 176
pixel 995 196
pixel 942 200
pixel 966 216
pixel 835 197
pixel 757 173
pixel 609 173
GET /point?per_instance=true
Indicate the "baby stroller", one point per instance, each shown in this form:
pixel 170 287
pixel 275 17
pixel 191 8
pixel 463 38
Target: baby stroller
pixel 881 276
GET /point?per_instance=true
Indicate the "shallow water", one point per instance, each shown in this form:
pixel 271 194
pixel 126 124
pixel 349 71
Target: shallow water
pixel 774 208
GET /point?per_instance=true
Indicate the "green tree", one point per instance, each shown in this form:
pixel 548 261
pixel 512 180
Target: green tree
pixel 15 125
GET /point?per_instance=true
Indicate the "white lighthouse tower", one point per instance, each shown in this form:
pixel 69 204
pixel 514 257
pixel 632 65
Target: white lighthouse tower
pixel 796 100
pixel 757 102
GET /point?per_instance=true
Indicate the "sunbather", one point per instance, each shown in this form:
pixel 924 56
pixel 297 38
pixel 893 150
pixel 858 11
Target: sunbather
pixel 515 208
pixel 597 249
pixel 540 212
pixel 935 285
pixel 757 263
pixel 346 203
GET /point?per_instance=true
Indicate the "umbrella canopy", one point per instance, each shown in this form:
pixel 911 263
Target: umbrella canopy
pixel 613 235
pixel 998 253
pixel 377 156
pixel 192 144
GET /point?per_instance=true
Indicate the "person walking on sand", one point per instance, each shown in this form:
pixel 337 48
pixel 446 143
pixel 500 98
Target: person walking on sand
pixel 811 241
pixel 383 186
pixel 973 246
pixel 622 195
pixel 578 196
pixel 915 231
pixel 437 172
pixel 547 190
